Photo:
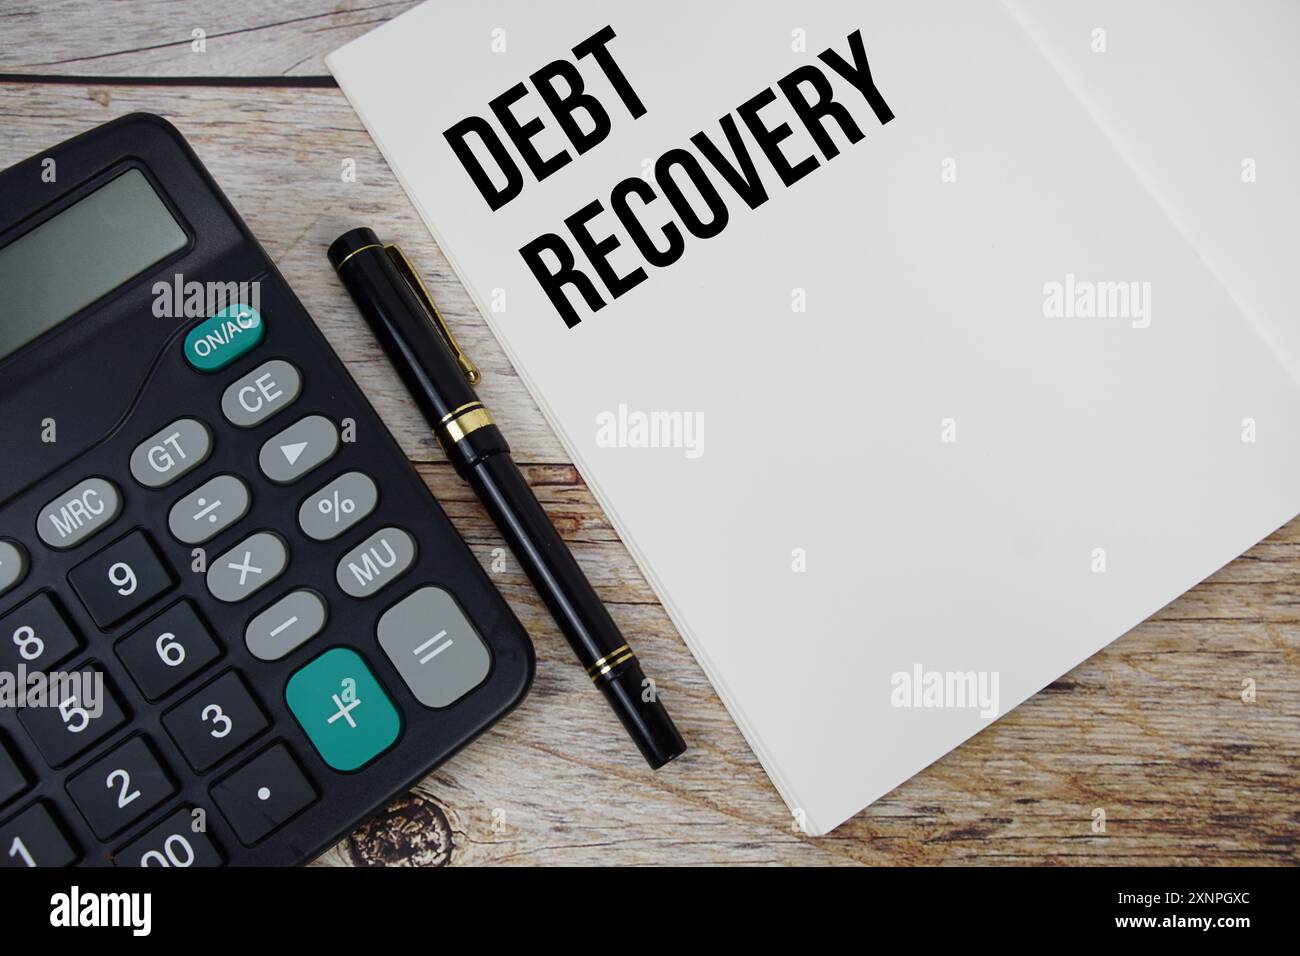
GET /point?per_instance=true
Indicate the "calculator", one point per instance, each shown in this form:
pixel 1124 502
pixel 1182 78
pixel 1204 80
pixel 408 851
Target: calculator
pixel 234 623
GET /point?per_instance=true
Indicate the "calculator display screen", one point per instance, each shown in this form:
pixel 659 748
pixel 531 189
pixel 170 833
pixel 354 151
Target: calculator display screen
pixel 89 249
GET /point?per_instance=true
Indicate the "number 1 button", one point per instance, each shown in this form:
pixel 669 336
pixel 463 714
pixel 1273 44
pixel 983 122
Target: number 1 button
pixel 344 711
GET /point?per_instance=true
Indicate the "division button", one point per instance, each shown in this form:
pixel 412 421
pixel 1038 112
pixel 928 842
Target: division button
pixel 287 624
pixel 263 794
pixel 255 397
pixel 338 506
pixel 170 453
pixel 13 565
pixel 304 445
pixel 209 509
pixel 247 567
pixel 434 647
pixel 376 562
pixel 84 509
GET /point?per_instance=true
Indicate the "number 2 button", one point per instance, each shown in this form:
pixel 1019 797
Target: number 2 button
pixel 120 787
pixel 121 579
pixel 215 721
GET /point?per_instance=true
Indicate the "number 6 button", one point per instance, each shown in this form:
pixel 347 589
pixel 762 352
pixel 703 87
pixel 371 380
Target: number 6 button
pixel 215 721
pixel 120 787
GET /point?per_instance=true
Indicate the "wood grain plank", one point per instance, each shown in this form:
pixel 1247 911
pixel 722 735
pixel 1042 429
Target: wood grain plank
pixel 1153 730
pixel 156 38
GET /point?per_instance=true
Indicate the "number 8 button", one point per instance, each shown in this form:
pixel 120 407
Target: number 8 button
pixel 215 721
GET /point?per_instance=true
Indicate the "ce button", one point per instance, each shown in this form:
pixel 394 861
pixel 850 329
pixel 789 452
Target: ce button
pixel 255 397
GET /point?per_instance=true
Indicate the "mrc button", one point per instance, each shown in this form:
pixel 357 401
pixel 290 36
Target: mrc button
pixel 168 454
pixel 255 397
pixel 82 510
pixel 215 343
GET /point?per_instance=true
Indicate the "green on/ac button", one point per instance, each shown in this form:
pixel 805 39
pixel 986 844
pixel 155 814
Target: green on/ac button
pixel 218 341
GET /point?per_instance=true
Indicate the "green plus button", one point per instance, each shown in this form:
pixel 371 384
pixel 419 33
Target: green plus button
pixel 344 711
pixel 215 343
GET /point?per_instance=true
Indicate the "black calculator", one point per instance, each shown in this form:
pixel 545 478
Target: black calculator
pixel 234 623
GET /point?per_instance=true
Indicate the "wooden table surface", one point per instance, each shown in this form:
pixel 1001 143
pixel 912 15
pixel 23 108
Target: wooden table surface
pixel 1155 733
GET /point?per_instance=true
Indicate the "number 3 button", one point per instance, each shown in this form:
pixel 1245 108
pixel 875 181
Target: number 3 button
pixel 121 579
pixel 215 721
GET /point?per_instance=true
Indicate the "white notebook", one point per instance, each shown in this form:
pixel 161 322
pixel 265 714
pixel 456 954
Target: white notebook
pixel 980 389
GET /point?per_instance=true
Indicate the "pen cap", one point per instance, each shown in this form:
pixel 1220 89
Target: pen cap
pixel 354 240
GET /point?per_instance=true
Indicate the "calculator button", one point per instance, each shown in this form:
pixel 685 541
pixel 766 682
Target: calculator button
pixel 338 506
pixel 13 565
pixel 263 794
pixel 121 579
pixel 343 710
pixel 120 787
pixel 247 567
pixel 208 510
pixel 36 635
pixel 216 342
pixel 168 454
pixel 215 721
pixel 12 779
pixel 167 651
pixel 255 397
pixel 81 710
pixel 304 445
pixel 179 840
pixel 35 838
pixel 434 647
pixel 376 562
pixel 288 623
pixel 82 510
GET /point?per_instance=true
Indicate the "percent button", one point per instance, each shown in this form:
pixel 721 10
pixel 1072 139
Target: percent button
pixel 338 506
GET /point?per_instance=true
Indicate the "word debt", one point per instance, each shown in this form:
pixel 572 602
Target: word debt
pixel 787 130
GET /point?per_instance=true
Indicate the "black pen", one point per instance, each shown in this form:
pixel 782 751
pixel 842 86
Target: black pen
pixel 440 377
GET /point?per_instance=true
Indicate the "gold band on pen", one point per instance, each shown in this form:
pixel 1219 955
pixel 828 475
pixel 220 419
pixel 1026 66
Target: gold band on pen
pixel 468 423
pixel 610 661
pixel 344 261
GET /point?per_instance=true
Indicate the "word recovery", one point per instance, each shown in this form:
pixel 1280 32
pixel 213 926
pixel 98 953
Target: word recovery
pixel 701 185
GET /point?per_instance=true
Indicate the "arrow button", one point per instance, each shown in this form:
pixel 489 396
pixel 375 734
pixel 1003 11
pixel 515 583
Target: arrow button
pixel 304 445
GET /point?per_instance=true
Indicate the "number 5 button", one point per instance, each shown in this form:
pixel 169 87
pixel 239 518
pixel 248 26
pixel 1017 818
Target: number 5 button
pixel 343 710
pixel 215 721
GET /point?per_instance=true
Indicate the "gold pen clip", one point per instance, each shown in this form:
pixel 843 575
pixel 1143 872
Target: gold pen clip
pixel 417 286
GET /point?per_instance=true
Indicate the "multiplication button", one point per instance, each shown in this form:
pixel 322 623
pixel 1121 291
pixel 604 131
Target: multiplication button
pixel 208 510
pixel 247 567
